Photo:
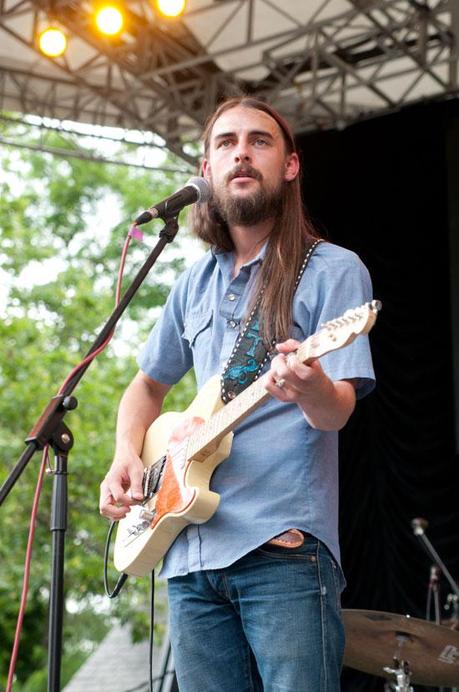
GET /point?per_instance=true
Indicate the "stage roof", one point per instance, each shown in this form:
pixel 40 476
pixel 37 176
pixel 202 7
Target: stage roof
pixel 323 63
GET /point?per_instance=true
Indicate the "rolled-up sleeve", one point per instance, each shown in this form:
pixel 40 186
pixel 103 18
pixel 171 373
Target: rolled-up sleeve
pixel 166 356
pixel 342 282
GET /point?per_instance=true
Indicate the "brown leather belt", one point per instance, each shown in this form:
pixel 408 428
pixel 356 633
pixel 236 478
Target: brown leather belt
pixel 292 538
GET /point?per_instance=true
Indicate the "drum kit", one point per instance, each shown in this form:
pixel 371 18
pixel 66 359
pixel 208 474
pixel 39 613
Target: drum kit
pixel 401 647
pixel 404 649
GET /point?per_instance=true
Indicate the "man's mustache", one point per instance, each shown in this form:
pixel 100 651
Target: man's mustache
pixel 243 171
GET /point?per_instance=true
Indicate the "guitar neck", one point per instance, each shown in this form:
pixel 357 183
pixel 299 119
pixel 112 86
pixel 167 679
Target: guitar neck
pixel 206 439
pixel 333 335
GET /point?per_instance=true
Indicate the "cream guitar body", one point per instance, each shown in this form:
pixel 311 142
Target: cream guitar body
pixel 185 498
pixel 182 450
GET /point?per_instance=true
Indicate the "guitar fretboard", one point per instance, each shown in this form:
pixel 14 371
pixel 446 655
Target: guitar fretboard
pixel 207 437
pixel 205 440
pixel 333 335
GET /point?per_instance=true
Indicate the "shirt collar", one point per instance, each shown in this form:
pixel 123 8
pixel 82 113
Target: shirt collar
pixel 225 260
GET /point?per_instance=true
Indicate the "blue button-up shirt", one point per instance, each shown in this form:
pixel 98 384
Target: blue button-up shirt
pixel 281 473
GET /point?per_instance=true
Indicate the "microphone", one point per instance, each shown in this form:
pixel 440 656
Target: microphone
pixel 196 190
pixel 419 525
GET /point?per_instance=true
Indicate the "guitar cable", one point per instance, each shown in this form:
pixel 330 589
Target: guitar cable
pixel 123 577
pixel 152 632
pixel 113 594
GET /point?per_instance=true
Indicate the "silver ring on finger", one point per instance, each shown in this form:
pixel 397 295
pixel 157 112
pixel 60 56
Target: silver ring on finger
pixel 280 383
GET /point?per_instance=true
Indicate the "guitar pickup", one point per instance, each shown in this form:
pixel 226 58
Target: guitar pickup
pixel 152 477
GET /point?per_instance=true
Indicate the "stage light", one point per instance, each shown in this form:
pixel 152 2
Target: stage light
pixel 109 20
pixel 170 8
pixel 52 42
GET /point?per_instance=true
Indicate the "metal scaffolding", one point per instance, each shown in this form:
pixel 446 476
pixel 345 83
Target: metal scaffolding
pixel 322 63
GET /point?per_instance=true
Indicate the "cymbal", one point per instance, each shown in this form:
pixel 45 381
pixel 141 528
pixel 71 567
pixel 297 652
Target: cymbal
pixel 373 639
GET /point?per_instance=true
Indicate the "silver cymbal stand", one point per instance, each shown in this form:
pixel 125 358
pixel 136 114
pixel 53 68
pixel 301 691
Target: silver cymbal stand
pixel 401 670
pixel 419 526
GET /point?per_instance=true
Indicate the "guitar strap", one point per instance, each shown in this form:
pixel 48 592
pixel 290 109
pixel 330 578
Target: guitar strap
pixel 250 354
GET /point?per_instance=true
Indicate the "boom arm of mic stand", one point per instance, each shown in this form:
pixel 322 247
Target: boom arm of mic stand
pixel 51 429
pixel 437 559
pixel 58 406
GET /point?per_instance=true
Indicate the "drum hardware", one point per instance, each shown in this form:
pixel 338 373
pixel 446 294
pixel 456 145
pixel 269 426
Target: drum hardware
pixel 419 526
pixel 428 653
pixel 401 670
pixel 433 590
pixel 452 603
pixel 421 651
pixel 438 568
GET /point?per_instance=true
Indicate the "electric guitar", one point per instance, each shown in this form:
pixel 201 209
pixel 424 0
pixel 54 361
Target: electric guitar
pixel 182 450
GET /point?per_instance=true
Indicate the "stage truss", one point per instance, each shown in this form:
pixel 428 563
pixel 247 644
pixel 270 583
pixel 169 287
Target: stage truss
pixel 323 63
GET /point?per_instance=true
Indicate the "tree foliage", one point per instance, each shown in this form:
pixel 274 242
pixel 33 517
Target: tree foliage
pixel 59 259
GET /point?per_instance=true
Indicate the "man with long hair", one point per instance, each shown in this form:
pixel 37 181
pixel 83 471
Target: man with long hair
pixel 254 593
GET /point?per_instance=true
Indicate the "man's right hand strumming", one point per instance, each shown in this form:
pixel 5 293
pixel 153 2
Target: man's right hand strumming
pixel 121 487
pixel 139 407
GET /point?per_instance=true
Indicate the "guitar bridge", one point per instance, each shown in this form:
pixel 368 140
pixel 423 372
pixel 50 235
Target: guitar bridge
pixel 142 519
pixel 137 529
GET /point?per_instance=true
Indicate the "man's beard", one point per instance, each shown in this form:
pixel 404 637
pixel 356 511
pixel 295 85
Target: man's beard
pixel 250 210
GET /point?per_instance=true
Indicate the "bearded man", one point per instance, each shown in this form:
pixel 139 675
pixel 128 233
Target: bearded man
pixel 254 593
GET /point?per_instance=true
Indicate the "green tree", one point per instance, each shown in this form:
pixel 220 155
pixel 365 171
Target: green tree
pixel 59 259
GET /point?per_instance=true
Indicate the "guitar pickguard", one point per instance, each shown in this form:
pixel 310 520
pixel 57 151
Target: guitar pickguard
pixel 183 496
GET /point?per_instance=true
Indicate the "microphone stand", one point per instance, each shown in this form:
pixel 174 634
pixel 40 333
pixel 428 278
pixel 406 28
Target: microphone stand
pixel 51 429
pixel 420 533
pixel 436 568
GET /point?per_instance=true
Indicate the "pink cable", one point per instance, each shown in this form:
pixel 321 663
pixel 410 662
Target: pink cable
pixel 44 462
pixel 28 558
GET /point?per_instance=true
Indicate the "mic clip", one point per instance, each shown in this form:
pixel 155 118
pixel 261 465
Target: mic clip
pixel 170 228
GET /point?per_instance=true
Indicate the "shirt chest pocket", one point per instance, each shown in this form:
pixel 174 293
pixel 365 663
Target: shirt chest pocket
pixel 198 329
pixel 297 333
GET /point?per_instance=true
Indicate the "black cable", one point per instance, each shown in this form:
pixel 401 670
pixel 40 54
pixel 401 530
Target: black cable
pixel 143 685
pixel 152 628
pixel 112 594
pixel 122 578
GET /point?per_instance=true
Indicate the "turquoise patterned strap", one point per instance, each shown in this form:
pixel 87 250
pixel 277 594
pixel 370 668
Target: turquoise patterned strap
pixel 249 353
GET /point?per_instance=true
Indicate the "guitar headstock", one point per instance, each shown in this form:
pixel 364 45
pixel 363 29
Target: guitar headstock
pixel 342 330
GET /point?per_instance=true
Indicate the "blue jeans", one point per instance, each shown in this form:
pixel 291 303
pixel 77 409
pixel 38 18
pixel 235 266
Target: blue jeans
pixel 271 621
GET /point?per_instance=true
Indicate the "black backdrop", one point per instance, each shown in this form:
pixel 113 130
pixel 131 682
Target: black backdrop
pixel 380 188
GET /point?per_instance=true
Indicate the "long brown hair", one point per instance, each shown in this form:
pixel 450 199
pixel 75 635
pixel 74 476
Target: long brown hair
pixel 292 233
